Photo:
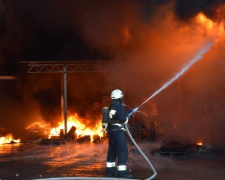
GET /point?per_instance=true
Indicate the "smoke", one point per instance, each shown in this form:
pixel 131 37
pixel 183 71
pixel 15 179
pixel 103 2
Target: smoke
pixel 147 42
pixel 186 9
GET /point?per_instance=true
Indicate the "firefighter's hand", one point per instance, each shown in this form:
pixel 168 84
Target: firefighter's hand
pixel 129 114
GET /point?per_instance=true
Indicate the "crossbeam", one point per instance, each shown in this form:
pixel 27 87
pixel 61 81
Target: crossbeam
pixel 71 66
pixel 67 67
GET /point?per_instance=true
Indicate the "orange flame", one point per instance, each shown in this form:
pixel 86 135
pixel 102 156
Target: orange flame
pixel 204 20
pixel 8 139
pixel 35 125
pixel 216 29
pixel 199 143
pixel 82 128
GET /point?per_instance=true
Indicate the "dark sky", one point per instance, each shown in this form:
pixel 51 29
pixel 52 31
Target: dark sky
pixel 147 41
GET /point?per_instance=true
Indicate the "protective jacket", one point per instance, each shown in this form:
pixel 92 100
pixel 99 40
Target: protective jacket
pixel 117 114
pixel 117 139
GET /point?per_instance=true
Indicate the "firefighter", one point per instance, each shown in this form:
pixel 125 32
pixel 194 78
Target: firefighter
pixel 117 140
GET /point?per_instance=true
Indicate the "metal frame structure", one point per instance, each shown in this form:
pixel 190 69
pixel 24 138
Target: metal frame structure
pixel 67 67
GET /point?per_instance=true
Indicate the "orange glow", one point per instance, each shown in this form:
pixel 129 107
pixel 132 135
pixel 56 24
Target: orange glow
pixel 8 139
pixel 199 143
pixel 221 28
pixel 214 28
pixel 81 125
pixel 35 125
pixel 204 20
pixel 126 34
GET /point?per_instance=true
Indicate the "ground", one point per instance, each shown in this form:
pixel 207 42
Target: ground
pixel 32 161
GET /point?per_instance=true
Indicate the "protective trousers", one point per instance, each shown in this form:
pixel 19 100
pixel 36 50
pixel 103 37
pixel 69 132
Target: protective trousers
pixel 117 148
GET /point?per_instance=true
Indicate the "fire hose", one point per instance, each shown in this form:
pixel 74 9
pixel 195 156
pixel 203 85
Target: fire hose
pixel 141 152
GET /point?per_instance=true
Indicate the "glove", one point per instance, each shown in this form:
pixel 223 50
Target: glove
pixel 129 114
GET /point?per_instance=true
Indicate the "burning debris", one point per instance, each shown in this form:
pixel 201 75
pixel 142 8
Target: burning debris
pixel 70 135
pixel 79 126
pixel 80 130
pixel 8 139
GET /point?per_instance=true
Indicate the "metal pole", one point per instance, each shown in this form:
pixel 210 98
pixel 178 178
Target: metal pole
pixel 65 99
pixel 62 99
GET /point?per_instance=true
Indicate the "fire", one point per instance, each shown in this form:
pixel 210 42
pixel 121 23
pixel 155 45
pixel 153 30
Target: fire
pixel 217 29
pixel 8 139
pixel 204 20
pixel 35 125
pixel 82 128
pixel 199 143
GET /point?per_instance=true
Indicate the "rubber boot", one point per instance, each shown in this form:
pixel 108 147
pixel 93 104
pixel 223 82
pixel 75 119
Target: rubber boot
pixel 123 174
pixel 111 172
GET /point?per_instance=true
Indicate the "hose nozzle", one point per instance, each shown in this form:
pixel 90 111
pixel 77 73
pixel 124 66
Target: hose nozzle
pixel 134 110
pixel 131 112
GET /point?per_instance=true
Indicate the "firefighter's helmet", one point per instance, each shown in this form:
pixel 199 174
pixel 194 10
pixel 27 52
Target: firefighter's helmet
pixel 116 94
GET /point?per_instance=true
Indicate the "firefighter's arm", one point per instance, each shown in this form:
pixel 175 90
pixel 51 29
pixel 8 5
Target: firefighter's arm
pixel 121 115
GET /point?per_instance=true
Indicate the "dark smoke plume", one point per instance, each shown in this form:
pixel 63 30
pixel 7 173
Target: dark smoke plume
pixel 186 9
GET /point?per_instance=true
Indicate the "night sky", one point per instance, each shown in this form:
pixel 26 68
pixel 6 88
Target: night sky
pixel 147 41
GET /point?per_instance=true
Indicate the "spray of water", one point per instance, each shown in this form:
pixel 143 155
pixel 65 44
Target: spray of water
pixel 183 70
